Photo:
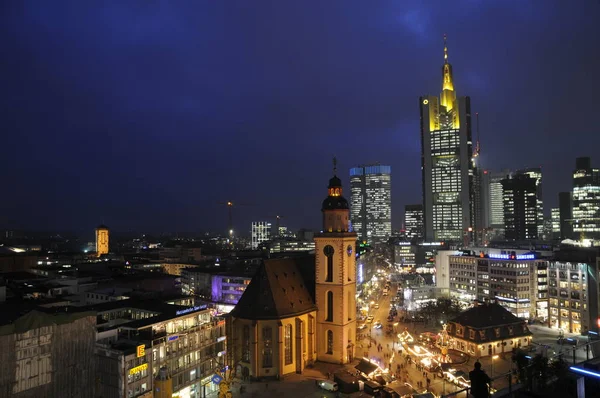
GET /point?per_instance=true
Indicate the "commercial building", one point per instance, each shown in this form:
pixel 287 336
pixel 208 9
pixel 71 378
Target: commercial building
pixel 288 245
pixel 555 217
pixel 447 163
pixel 180 254
pixel 536 174
pixel 586 200
pixel 486 330
pixel 138 338
pixel 492 197
pixel 371 202
pixel 46 354
pixel 520 208
pixel 420 256
pixel 102 233
pixel 565 207
pixel 223 289
pixel 413 221
pixel 261 232
pixel 515 280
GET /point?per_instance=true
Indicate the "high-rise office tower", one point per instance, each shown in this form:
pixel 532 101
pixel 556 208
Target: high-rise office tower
pixel 371 202
pixel 447 162
pixel 520 208
pixel 565 209
pixel 586 200
pixel 555 216
pixel 261 232
pixel 493 203
pixel 536 173
pixel 102 234
pixel 413 221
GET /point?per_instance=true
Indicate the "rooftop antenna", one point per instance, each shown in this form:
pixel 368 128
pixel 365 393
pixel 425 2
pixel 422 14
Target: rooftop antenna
pixel 334 165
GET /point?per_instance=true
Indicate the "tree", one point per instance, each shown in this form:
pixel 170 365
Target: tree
pixel 539 365
pixel 519 358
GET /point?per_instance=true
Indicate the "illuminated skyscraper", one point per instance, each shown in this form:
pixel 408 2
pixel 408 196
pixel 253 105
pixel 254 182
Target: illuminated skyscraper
pixel 536 173
pixel 371 202
pixel 261 232
pixel 493 204
pixel 447 163
pixel 413 221
pixel 555 216
pixel 586 200
pixel 520 208
pixel 101 240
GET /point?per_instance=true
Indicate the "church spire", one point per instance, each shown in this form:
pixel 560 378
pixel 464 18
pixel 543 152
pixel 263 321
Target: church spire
pixel 448 95
pixel 334 166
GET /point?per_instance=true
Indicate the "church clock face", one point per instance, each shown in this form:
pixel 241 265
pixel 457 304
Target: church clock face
pixel 349 250
pixel 328 251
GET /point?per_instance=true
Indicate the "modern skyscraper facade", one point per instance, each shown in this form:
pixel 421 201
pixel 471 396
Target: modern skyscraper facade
pixel 413 221
pixel 493 203
pixel 520 208
pixel 555 216
pixel 447 162
pixel 536 173
pixel 261 232
pixel 371 202
pixel 586 200
pixel 565 208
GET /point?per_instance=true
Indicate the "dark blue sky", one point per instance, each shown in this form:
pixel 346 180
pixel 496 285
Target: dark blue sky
pixel 146 114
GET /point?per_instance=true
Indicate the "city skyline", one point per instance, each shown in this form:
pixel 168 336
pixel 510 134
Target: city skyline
pixel 132 124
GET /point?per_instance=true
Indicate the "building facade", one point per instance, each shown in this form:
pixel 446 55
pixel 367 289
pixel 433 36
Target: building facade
pixel 371 202
pixel 536 174
pixel 555 217
pixel 447 162
pixel 565 208
pixel 189 343
pixel 586 200
pixel 520 208
pixel 486 330
pixel 261 232
pixel 413 221
pixel 102 234
pixel 492 186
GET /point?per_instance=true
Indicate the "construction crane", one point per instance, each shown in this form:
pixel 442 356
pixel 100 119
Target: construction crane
pixel 230 205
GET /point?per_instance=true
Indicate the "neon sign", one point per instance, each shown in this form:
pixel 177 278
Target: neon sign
pixel 138 369
pixel 191 309
pixel 511 257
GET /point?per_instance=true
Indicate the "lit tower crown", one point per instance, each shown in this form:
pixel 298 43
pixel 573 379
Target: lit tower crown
pixel 335 204
pixel 448 95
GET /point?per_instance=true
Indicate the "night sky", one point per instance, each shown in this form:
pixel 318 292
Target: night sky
pixel 145 115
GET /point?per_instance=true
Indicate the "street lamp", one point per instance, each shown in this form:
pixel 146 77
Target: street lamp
pixel 492 370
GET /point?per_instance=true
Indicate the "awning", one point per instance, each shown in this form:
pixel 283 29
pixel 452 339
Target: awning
pixel 366 366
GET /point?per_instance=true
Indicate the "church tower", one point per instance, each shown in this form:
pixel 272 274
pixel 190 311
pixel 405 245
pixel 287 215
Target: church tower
pixel 335 278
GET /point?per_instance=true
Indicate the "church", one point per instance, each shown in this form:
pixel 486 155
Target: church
pixel 299 310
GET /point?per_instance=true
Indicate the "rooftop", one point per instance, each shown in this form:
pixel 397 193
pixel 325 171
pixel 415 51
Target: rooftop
pixel 487 315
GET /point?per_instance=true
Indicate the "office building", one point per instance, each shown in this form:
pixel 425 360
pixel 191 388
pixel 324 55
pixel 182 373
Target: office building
pixel 514 279
pixel 46 353
pixel 565 209
pixel 413 221
pixel 101 240
pixel 520 208
pixel 447 162
pixel 536 174
pixel 371 202
pixel 586 200
pixel 261 232
pixel 136 339
pixel 555 217
pixel 493 203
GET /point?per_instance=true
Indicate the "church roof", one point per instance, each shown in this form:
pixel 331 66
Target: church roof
pixel 485 316
pixel 280 288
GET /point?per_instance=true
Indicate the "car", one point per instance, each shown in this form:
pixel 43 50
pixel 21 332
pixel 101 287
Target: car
pixel 377 325
pixel 370 319
pixel 376 306
pixel 361 327
pixel 385 293
pixel 327 385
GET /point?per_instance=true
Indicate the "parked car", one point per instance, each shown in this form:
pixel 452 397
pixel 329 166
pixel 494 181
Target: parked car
pixel 327 385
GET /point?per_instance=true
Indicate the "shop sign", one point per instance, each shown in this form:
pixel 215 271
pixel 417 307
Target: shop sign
pixel 138 369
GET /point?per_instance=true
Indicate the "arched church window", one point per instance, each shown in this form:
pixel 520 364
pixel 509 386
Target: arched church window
pixel 329 306
pixel 328 251
pixel 329 342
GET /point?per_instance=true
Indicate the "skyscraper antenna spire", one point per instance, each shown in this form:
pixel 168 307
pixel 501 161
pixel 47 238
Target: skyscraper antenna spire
pixel 334 165
pixel 445 49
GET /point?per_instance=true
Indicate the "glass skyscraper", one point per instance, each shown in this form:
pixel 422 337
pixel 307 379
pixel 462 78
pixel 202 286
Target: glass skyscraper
pixel 413 221
pixel 586 200
pixel 536 174
pixel 447 163
pixel 371 202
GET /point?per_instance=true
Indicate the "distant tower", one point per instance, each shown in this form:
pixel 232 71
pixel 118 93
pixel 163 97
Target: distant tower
pixel 335 279
pixel 101 240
